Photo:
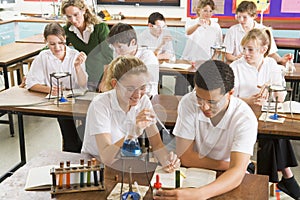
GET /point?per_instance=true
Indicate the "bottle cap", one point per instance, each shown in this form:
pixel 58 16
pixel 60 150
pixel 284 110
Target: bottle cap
pixel 157 184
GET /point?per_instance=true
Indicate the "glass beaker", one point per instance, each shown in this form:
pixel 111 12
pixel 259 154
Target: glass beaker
pixel 131 146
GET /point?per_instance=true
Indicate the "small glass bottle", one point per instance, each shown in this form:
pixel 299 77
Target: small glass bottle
pixel 290 67
pixel 157 186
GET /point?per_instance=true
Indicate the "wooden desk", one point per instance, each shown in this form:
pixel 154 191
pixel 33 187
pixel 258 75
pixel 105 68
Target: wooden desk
pixel 14 53
pixel 289 43
pixel 38 38
pixel 252 187
pixel 23 102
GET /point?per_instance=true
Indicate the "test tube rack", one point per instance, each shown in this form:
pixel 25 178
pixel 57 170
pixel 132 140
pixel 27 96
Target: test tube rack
pixel 77 187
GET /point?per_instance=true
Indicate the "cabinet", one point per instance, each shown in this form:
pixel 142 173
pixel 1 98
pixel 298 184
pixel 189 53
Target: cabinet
pixel 7 34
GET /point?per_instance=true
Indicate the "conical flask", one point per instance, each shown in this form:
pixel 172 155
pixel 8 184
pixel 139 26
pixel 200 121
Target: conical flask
pixel 131 146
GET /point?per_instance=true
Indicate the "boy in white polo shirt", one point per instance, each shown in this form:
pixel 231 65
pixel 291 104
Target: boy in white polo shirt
pixel 214 130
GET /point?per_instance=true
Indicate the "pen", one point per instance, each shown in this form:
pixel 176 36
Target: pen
pixel 182 174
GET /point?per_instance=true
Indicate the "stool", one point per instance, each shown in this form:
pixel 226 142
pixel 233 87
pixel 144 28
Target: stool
pixel 29 62
pixel 17 67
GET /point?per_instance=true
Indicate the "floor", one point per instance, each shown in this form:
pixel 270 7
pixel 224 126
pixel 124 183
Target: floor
pixel 43 133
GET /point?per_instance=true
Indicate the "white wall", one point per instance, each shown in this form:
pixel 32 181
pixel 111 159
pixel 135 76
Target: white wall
pixel 136 11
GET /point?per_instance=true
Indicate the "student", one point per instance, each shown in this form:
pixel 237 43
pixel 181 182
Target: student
pixel 246 15
pixel 214 130
pixel 86 33
pixel 123 40
pixel 255 69
pixel 111 112
pixel 202 33
pixel 157 38
pixel 59 58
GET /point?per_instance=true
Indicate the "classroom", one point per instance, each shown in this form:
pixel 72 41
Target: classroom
pixel 147 99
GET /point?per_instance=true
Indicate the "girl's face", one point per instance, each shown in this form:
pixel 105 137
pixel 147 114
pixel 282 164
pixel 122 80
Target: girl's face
pixel 245 20
pixel 253 53
pixel 131 88
pixel 56 46
pixel 75 16
pixel 205 12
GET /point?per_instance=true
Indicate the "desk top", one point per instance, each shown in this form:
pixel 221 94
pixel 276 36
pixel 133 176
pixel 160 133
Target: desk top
pixel 287 43
pixel 21 100
pixel 38 38
pixel 252 186
pixel 16 52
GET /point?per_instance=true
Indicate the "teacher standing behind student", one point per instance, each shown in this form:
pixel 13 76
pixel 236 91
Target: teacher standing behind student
pixel 202 33
pixel 86 33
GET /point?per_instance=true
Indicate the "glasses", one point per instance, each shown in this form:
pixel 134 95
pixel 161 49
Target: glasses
pixel 146 88
pixel 242 17
pixel 249 50
pixel 211 103
pixel 207 11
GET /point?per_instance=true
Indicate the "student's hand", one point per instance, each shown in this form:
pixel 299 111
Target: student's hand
pixel 54 91
pixel 173 162
pixel 80 59
pixel 255 99
pixel 166 39
pixel 285 58
pixel 145 118
pixel 184 193
pixel 203 22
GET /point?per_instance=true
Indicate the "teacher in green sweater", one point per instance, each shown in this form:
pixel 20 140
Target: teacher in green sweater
pixel 86 33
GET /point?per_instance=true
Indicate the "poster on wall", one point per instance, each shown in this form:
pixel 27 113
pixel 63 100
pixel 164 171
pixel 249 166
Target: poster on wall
pixel 290 6
pixel 192 5
pixel 262 5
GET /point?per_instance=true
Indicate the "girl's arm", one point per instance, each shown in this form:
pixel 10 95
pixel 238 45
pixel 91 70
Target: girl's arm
pixel 80 73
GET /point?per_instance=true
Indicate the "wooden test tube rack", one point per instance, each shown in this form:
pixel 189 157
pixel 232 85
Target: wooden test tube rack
pixel 75 187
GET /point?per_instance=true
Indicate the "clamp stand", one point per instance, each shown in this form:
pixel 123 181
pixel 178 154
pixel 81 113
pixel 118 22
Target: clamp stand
pixel 58 76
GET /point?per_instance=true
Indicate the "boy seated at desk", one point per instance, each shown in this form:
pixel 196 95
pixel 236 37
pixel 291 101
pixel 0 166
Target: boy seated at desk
pixel 59 58
pixel 157 38
pixel 123 39
pixel 214 130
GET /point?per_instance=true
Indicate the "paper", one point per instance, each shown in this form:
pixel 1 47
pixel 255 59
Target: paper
pixel 115 193
pixel 282 107
pixel 176 65
pixel 195 177
pixel 68 93
pixel 265 117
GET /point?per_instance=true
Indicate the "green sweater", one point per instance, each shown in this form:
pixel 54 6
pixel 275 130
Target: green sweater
pixel 97 50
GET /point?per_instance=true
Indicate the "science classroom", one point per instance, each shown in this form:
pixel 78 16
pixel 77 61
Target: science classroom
pixel 146 99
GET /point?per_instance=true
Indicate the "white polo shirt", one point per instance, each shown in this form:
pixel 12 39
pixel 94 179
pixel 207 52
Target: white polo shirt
pixel 199 43
pixel 236 132
pixel 234 36
pixel 46 63
pixel 106 116
pixel 146 39
pixel 247 77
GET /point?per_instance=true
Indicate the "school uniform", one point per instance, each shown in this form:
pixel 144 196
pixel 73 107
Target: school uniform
pixel 42 66
pixel 106 116
pixel 274 154
pixel 146 39
pixel 199 43
pixel 234 36
pixel 236 132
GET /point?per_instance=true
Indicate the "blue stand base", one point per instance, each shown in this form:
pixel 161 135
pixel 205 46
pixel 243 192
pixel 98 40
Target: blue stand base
pixel 131 195
pixel 63 99
pixel 274 117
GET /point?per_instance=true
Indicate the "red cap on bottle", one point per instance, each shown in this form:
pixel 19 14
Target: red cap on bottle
pixel 157 184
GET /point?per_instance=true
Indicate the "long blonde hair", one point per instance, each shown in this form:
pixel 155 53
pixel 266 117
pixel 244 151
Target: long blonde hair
pixel 89 16
pixel 262 37
pixel 123 65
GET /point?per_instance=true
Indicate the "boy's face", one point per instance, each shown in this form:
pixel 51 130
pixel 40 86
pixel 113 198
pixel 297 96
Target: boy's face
pixel 123 49
pixel 157 28
pixel 211 102
pixel 245 19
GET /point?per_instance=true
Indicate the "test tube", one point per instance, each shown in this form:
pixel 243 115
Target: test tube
pixel 94 164
pixel 61 176
pixel 177 178
pixel 52 172
pixel 102 174
pixel 88 174
pixel 81 173
pixel 68 180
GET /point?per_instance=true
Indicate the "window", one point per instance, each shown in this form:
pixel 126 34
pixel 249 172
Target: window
pixel 141 2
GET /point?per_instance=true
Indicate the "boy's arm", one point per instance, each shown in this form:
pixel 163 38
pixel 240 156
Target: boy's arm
pixel 191 158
